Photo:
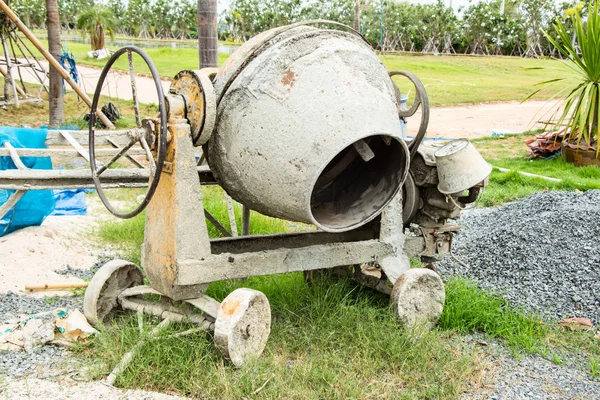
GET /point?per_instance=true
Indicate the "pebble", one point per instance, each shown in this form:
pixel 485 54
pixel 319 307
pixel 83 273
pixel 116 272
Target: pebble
pixel 541 252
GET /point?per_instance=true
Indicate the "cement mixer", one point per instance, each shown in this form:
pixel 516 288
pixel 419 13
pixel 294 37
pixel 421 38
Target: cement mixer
pixel 302 123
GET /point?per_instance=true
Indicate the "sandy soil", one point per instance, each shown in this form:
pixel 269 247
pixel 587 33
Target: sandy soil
pixel 65 388
pixel 31 255
pixel 481 120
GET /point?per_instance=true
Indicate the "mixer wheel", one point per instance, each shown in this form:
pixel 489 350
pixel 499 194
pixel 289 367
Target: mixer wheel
pixel 243 325
pixel 418 298
pixel 105 287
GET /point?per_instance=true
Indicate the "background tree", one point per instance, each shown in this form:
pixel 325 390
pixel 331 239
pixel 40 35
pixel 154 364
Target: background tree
pixel 31 12
pixel 139 17
pixel 119 10
pixel 97 21
pixel 68 9
pixel 534 16
pixel 57 108
pixel 508 27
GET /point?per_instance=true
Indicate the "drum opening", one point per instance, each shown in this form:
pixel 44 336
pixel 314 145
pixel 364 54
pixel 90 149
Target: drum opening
pixel 358 183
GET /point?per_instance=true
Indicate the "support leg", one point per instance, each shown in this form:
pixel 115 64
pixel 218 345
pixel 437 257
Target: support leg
pixel 392 232
pixel 175 225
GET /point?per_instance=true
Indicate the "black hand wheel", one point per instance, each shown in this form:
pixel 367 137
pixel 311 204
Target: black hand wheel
pixel 152 143
pixel 421 100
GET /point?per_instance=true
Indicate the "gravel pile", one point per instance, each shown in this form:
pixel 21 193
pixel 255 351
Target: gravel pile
pixel 38 360
pixel 85 274
pixel 12 305
pixel 534 378
pixel 541 252
pixel 530 377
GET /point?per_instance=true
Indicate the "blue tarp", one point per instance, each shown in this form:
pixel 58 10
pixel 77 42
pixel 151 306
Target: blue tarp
pixel 35 205
pixel 70 202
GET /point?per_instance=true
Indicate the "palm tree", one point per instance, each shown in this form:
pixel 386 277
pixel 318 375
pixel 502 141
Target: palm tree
pixel 207 33
pixel 57 114
pixel 97 21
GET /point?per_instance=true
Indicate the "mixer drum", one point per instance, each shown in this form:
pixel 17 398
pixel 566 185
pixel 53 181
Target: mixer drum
pixel 307 129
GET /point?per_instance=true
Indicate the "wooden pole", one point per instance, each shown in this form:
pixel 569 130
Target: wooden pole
pixel 13 17
pixel 5 73
pixel 56 286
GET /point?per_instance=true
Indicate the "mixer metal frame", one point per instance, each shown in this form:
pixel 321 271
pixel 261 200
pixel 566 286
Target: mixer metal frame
pixel 179 258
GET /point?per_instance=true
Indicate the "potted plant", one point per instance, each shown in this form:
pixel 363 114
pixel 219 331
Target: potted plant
pixel 580 95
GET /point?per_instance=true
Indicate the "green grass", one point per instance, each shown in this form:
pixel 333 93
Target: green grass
pixel 455 80
pixel 595 367
pixel 335 339
pixel 51 299
pixel 448 80
pixel 328 340
pixel 511 153
pixel 168 61
pixel 469 309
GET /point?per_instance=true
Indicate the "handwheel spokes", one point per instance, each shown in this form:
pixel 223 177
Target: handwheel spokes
pixel 121 152
pixel 149 156
pixel 136 105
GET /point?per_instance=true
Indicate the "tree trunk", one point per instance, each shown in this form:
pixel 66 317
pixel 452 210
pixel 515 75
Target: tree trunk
pixel 57 113
pixel 207 33
pixel 100 44
pixel 357 15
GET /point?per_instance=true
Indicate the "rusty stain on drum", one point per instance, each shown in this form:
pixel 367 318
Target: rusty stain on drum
pixel 289 78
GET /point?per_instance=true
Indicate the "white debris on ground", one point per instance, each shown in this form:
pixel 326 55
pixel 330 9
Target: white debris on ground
pixel 65 388
pixel 62 327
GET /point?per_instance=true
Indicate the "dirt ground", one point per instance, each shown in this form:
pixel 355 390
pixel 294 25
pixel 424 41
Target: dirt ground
pixel 480 120
pixel 65 388
pixel 32 255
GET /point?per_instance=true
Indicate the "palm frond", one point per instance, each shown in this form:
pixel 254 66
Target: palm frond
pixel 580 99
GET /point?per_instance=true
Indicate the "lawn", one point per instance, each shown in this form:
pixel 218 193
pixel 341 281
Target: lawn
pixel 510 153
pixel 465 79
pixel 448 79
